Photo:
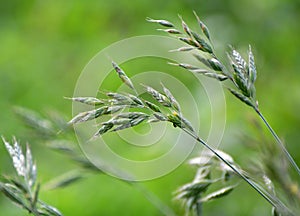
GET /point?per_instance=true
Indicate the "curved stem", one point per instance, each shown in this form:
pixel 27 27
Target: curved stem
pixel 279 142
pixel 253 185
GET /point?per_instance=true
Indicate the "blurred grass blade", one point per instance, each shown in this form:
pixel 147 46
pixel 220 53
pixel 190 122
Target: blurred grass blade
pixel 33 120
pixel 64 180
pixel 35 197
pixel 10 193
pixel 62 145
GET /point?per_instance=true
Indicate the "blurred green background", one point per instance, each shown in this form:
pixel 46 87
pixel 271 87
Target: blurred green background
pixel 46 44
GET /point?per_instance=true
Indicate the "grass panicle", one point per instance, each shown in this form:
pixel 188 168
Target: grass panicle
pixel 241 73
pixel 166 108
pixel 210 172
pixel 23 189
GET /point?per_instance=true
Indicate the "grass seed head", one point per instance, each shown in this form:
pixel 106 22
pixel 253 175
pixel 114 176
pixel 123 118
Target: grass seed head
pixel 164 23
pixel 158 96
pixel 183 49
pixel 171 98
pixel 123 75
pixel 203 27
pixel 87 100
pixel 152 106
pixel 170 31
pixel 185 27
pixel 105 128
pixel 252 67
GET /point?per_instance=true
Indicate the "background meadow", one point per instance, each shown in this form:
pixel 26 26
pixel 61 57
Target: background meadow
pixel 46 44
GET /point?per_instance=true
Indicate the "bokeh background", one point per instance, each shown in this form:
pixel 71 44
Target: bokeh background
pixel 46 44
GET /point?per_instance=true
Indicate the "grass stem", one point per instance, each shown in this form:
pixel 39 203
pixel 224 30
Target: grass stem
pixel 279 142
pixel 247 180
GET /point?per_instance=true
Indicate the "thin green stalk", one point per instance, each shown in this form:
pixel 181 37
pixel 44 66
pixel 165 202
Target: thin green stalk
pixel 254 186
pixel 199 209
pixel 279 142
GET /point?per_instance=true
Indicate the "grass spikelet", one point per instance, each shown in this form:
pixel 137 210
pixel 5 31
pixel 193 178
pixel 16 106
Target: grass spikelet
pixel 252 67
pixel 152 106
pixel 160 116
pixel 170 31
pixel 185 27
pixel 136 100
pixel 87 100
pixel 202 26
pixel 184 122
pixel 242 97
pixel 123 76
pixel 117 96
pixel 202 45
pixel 189 41
pixel 182 49
pixel 240 62
pixel 212 63
pixel 102 130
pixel 172 99
pixel 185 66
pixel 164 23
pixel 93 114
pixel 130 115
pixel 131 123
pixel 158 96
pixel 219 77
pixel 88 115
